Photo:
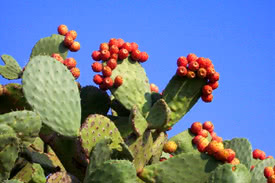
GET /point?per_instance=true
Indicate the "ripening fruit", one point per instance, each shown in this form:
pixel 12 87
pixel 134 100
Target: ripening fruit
pixel 58 57
pixel 196 139
pixel 123 53
pixel 214 146
pixel 154 88
pixel 196 127
pixel 201 61
pixel 118 81
pixel 210 71
pixel 268 171
pixel 134 46
pixel 191 74
pixel 98 79
pixel 62 29
pixel 127 46
pixel 170 147
pixel 143 56
pixel 235 161
pixel 207 98
pixel 231 155
pixel 193 66
pixel 182 61
pixel 72 33
pixel 207 90
pixel 181 71
pixel 75 46
pixel 70 62
pixel 202 73
pixel 68 41
pixel 120 42
pixel 191 57
pixel 113 41
pixel 214 85
pixel 135 55
pixel 208 125
pixel 271 179
pixel 257 153
pixel 108 82
pixel 96 55
pixel 215 77
pixel 114 49
pixel 105 55
pixel 75 72
pixel 97 67
pixel 203 133
pixel 202 144
pixel 112 63
pixel 107 71
pixel 104 46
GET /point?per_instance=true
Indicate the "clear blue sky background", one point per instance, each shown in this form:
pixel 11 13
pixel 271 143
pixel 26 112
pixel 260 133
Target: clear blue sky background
pixel 235 35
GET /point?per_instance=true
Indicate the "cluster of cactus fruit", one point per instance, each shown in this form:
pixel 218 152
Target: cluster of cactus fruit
pixel 52 130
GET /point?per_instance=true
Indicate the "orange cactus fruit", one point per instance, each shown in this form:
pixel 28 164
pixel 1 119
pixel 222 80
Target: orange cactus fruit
pixel 214 146
pixel 268 172
pixel 202 144
pixel 235 161
pixel 170 147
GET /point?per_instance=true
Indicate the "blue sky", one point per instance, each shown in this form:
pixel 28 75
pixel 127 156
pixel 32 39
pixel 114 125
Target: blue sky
pixel 235 35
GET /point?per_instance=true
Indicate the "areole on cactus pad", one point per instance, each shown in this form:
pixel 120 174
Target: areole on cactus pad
pixel 54 130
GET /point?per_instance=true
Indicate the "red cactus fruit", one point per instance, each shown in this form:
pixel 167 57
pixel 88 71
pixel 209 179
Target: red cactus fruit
pixel 135 55
pixel 103 87
pixel 97 67
pixel 70 62
pixel 214 85
pixel 235 161
pixel 181 71
pixel 191 57
pixel 62 29
pixel 105 55
pixel 231 155
pixel 75 46
pixel 217 138
pixel 107 71
pixel 271 157
pixel 203 133
pixel 202 144
pixel 182 61
pixel 170 147
pixel 213 134
pixel 143 57
pixel 268 171
pixel 104 46
pixel 202 73
pixel 214 146
pixel 134 46
pixel 68 41
pixel 262 156
pixel 112 63
pixel 196 127
pixel 98 79
pixel 96 55
pixel 207 90
pixel 113 41
pixel 208 125
pixel 210 71
pixel 271 179
pixel 123 53
pixel 208 62
pixel 114 56
pixel 222 155
pixel 58 57
pixel 207 98
pixel 114 49
pixel 118 81
pixel 75 72
pixel 108 82
pixel 201 61
pixel 196 139
pixel 120 42
pixel 191 74
pixel 154 88
pixel 193 66
pixel 127 46
pixel 72 33
pixel 215 77
pixel 257 153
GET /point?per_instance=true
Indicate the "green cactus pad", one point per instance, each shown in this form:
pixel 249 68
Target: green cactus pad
pixel 228 173
pixel 11 69
pixel 242 148
pixel 98 127
pixel 12 98
pixel 181 94
pixel 49 45
pixel 185 167
pixel 159 115
pixel 184 142
pixel 50 89
pixel 100 153
pixel 12 181
pixel 114 171
pixel 26 124
pixel 141 148
pixel 93 101
pixel 124 154
pixel 118 109
pixel 60 177
pixel 258 172
pixel 123 124
pixel 135 89
pixel 139 123
pixel 32 173
pixel 9 147
pixel 157 147
pixel 155 97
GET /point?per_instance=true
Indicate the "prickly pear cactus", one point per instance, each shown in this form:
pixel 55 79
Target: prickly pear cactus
pixel 54 131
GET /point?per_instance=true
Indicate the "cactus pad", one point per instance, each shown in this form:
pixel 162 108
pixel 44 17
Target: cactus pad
pixel 93 101
pixel 185 167
pixel 135 89
pixel 60 177
pixel 228 173
pixel 157 147
pixel 11 69
pixel 258 172
pixel 111 171
pixel 124 125
pixel 50 89
pixel 242 148
pixel 139 123
pixel 159 115
pixel 181 94
pixel 49 45
pixel 98 127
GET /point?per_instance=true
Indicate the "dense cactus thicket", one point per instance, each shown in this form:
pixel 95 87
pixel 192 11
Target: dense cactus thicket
pixel 53 130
